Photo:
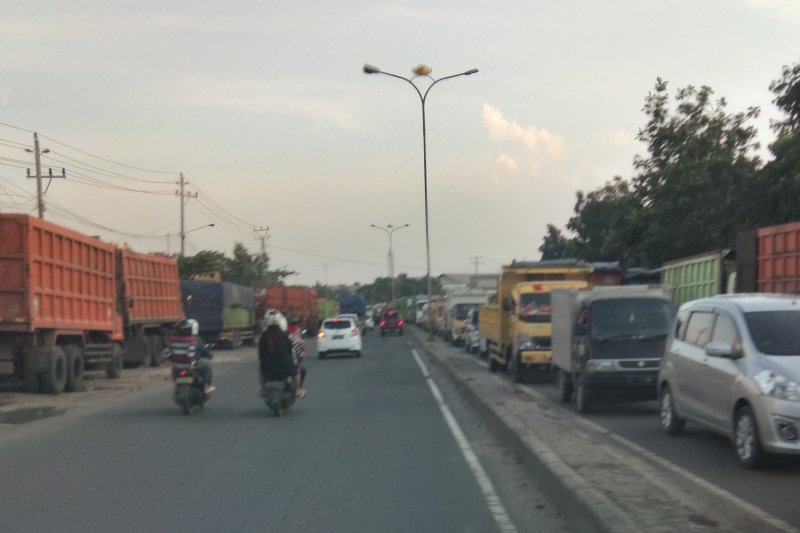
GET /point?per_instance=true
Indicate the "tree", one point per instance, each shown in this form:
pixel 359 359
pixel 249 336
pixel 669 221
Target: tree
pixel 554 244
pixel 243 268
pixel 605 224
pixel 698 185
pixel 781 176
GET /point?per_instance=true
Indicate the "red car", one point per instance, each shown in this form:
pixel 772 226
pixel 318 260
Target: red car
pixel 391 322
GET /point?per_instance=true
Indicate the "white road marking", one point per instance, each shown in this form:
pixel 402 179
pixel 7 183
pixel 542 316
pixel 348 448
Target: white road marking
pixel 496 507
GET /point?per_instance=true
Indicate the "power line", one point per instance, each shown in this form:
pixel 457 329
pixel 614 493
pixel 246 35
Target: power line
pixel 104 171
pixel 210 199
pixel 15 127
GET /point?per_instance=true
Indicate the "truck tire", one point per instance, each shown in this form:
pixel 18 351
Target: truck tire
pixel 114 370
pixel 33 382
pixel 518 370
pixel 156 348
pixel 74 355
pixel 582 399
pixel 236 341
pixel 564 385
pixel 494 366
pixel 55 377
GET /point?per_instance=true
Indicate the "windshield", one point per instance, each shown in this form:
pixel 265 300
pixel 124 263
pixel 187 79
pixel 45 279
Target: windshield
pixel 460 311
pixel 775 332
pixel 630 318
pixel 534 307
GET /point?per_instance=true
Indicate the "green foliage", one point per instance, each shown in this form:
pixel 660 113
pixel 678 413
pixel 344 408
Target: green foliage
pixel 697 186
pixel 243 268
pixel 380 290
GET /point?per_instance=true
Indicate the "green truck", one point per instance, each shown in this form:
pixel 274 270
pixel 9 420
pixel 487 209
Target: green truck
pixel 699 276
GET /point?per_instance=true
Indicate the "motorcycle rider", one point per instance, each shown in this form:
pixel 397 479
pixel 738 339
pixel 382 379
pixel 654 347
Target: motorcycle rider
pixel 186 347
pixel 275 361
pixel 298 353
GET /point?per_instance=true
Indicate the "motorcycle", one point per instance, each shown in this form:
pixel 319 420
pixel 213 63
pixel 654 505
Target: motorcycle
pixel 189 393
pixel 279 395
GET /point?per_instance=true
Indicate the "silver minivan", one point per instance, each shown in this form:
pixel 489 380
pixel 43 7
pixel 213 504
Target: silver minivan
pixel 732 364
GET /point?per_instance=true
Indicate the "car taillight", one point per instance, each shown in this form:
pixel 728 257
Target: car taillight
pixel 400 323
pixel 182 373
pixel 321 334
pixel 383 323
pixel 354 332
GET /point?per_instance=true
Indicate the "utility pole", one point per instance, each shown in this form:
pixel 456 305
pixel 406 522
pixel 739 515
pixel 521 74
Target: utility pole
pixel 37 159
pixel 477 259
pixel 263 238
pixel 187 195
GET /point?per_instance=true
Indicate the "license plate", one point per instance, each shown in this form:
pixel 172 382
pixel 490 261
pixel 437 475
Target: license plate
pixel 184 381
pixel 336 337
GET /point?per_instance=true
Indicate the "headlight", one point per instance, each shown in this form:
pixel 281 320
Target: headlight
pixel 777 385
pixel 599 365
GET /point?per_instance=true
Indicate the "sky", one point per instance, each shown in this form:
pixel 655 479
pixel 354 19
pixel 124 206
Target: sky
pixel 265 109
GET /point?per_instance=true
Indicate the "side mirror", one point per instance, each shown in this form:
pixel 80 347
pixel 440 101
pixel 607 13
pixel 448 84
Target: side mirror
pixel 721 349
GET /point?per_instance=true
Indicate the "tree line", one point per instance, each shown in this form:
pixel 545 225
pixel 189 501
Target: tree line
pixel 699 184
pixel 243 268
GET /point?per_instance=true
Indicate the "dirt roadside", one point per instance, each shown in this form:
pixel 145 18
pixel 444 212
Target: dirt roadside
pixel 19 407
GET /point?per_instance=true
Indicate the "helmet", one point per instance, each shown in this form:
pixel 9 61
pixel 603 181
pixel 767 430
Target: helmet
pixel 188 326
pixel 273 317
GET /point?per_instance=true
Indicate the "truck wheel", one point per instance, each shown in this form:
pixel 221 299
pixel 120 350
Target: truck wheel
pixel 236 341
pixel 114 371
pixel 564 384
pixel 517 370
pixel 55 377
pixel 33 382
pixel 582 400
pixel 74 355
pixel 156 349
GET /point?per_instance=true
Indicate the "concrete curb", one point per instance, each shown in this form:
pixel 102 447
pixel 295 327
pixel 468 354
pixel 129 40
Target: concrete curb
pixel 585 509
pixel 598 484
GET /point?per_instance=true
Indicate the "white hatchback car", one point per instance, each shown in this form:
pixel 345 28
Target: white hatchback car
pixel 339 335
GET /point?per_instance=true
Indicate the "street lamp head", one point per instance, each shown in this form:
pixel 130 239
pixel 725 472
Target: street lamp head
pixel 369 69
pixel 422 70
pixel 471 71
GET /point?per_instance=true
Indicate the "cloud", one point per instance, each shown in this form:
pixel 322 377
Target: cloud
pixel 215 24
pixel 262 96
pixel 618 138
pixel 507 164
pixel 501 129
pixel 781 8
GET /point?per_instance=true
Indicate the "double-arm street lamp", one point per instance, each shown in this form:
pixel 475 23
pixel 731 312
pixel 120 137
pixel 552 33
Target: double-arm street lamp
pixel 389 229
pixel 422 71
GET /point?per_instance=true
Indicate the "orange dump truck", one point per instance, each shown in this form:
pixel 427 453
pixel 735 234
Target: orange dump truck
pixel 149 291
pixel 59 311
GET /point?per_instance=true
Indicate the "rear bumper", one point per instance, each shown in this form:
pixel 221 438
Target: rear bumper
pixel 536 357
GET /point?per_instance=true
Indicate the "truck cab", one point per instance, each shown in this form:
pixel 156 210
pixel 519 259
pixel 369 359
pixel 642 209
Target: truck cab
pixel 608 342
pixel 518 329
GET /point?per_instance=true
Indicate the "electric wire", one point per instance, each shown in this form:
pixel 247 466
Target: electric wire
pixel 103 171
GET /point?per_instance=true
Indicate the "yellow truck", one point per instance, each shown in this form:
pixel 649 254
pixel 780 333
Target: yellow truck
pixel 518 328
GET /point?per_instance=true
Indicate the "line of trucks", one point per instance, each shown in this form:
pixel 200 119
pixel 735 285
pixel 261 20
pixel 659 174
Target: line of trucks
pixel 71 303
pixel 603 329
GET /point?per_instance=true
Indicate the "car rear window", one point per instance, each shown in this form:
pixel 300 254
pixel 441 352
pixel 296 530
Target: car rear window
pixel 337 324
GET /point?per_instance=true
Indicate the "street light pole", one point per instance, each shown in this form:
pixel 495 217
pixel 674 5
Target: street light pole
pixel 389 229
pixel 423 71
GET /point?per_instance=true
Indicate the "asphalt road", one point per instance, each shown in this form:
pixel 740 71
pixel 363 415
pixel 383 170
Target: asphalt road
pixel 368 450
pixel 701 452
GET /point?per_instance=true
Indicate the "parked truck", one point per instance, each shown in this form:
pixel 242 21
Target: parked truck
pixel 458 302
pixel 224 310
pixel 149 296
pixel 608 342
pixel 293 301
pixel 59 312
pixel 517 330
pixel 699 276
pixel 768 259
